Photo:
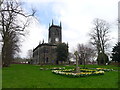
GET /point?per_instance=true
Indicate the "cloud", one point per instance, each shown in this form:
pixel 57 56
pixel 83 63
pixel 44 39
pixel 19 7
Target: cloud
pixel 36 34
pixel 76 17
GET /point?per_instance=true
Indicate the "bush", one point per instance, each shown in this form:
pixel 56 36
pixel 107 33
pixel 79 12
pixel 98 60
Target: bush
pixel 116 53
pixel 115 63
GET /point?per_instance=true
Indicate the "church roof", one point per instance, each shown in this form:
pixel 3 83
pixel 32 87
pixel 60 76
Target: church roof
pixel 54 26
pixel 44 44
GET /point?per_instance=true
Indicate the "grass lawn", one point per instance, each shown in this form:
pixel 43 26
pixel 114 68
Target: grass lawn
pixel 29 76
pixel 0 78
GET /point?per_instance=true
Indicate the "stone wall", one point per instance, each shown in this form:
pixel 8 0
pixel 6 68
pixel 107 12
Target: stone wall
pixel 45 54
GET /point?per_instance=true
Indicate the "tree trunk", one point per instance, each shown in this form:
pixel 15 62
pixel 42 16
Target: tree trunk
pixel 6 55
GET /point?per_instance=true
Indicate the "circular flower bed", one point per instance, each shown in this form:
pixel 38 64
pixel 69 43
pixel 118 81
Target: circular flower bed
pixel 88 70
pixel 83 72
pixel 104 69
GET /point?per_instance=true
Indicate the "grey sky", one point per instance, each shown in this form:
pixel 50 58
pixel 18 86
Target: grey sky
pixel 76 17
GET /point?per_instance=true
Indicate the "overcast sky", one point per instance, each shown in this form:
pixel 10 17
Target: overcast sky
pixel 76 17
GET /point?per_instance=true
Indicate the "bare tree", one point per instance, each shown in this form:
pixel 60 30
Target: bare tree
pixel 1 1
pixel 71 57
pixel 11 28
pixel 86 53
pixel 99 35
pixel 30 54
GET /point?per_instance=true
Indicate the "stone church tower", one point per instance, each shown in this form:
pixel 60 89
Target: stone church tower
pixel 55 34
pixel 45 53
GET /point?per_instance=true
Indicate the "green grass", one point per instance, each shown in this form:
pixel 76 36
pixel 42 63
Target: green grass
pixel 101 66
pixel 0 78
pixel 29 76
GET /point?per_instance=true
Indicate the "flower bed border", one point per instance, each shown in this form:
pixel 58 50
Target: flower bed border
pixel 104 69
pixel 81 74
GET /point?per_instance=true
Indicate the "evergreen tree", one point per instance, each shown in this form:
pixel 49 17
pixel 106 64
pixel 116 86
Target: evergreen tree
pixel 62 52
pixel 116 53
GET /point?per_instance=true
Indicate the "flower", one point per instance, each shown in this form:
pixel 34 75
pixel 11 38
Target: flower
pixel 101 71
pixel 84 72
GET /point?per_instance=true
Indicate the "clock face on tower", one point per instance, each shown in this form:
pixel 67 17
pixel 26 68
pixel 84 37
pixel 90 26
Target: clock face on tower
pixel 56 39
pixel 54 34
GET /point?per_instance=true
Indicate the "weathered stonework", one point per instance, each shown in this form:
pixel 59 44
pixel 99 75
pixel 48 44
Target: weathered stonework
pixel 45 53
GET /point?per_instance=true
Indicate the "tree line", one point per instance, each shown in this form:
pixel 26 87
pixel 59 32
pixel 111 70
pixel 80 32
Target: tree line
pixel 98 45
pixel 95 49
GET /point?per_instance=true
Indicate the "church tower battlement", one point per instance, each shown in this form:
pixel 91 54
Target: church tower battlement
pixel 55 34
pixel 45 53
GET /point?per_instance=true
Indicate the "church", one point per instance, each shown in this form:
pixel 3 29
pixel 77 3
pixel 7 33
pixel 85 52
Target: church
pixel 45 53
